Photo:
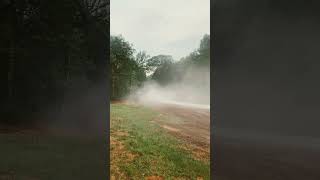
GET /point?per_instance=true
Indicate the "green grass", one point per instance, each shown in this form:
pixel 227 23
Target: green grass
pixel 158 153
pixel 53 157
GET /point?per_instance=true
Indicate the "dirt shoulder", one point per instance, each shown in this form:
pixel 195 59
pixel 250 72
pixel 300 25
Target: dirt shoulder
pixel 193 126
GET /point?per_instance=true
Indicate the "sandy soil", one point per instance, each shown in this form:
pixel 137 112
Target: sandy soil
pixel 194 128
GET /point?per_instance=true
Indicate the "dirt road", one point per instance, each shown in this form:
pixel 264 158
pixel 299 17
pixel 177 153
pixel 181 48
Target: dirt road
pixel 243 155
pixel 193 127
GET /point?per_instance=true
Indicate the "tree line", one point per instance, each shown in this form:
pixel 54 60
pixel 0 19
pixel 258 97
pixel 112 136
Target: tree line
pixel 50 49
pixel 129 68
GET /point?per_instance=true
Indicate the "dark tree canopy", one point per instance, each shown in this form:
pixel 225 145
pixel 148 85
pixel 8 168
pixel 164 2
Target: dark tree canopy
pixel 127 70
pixel 50 49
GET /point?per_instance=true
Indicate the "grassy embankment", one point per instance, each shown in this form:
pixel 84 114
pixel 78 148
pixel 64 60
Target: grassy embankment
pixel 142 149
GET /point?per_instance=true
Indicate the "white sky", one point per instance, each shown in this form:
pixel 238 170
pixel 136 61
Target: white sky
pixel 171 27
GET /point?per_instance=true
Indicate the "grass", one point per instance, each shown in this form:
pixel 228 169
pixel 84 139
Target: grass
pixel 155 152
pixel 51 157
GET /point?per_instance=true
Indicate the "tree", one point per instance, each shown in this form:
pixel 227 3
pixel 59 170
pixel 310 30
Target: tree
pixel 204 51
pixel 127 71
pixel 142 59
pixel 200 56
pixel 165 71
pixel 163 65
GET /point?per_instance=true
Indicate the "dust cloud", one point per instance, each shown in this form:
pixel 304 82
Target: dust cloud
pixel 192 89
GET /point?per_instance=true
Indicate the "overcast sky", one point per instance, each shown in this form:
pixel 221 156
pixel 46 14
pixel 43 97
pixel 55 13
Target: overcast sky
pixel 172 27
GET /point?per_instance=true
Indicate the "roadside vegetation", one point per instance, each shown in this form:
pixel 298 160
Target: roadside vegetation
pixel 142 149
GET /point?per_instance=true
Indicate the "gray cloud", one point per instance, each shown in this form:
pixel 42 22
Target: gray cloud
pixel 161 26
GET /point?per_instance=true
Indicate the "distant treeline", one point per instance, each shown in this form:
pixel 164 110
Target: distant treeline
pixel 48 50
pixel 129 70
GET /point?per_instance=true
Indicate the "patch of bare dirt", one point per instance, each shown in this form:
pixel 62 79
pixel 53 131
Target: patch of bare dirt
pixel 170 128
pixel 194 128
pixel 154 178
pixel 119 155
pixel 121 134
pixel 199 153
pixel 184 178
pixel 116 151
